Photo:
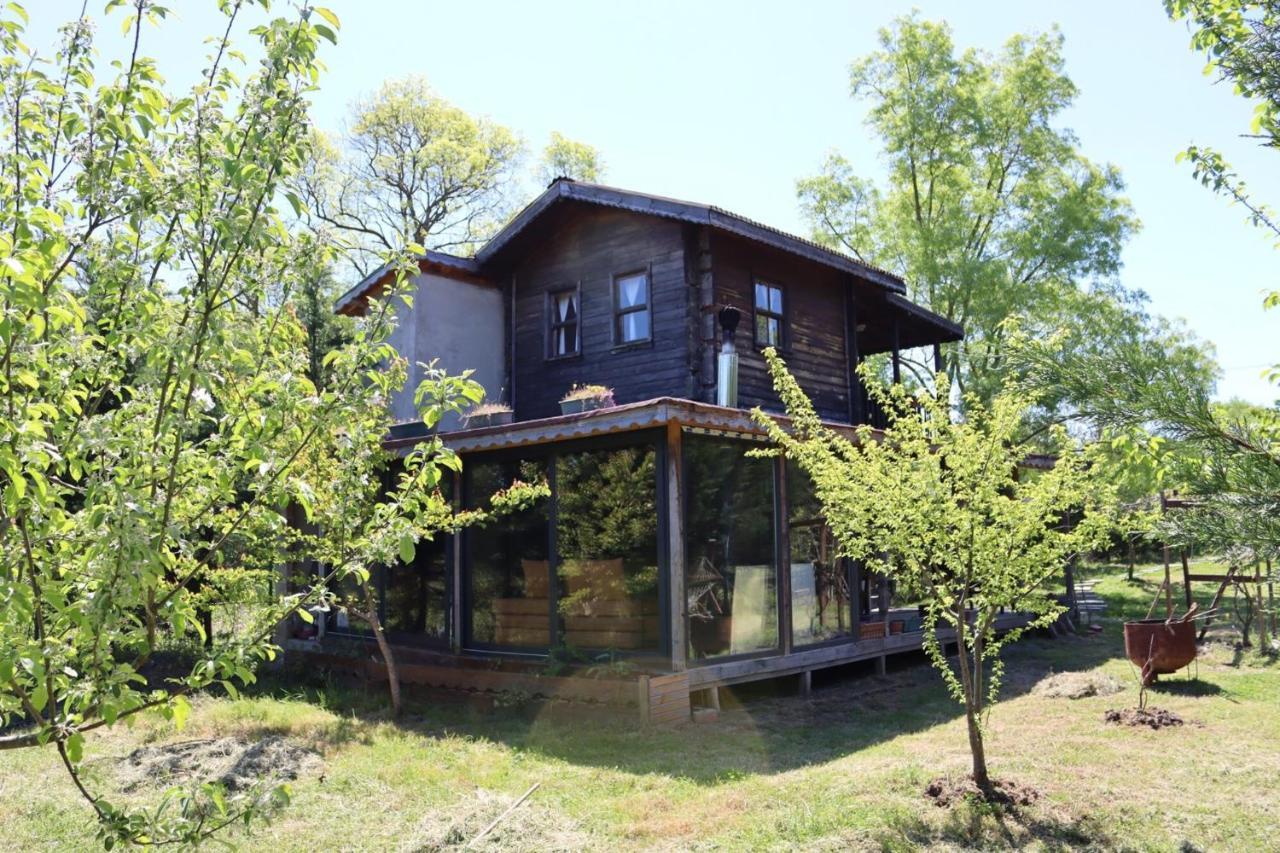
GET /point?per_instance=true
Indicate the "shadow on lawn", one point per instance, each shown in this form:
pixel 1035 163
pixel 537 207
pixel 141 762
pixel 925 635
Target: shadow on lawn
pixel 764 728
pixel 975 825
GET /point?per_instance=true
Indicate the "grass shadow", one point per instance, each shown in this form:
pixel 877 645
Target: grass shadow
pixel 973 824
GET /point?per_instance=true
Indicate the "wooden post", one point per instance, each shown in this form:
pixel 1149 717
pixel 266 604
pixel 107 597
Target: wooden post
pixel 882 665
pixel 937 358
pixel 1168 584
pixel 857 403
pixel 884 597
pixel 455 638
pixel 1186 576
pixel 783 538
pixel 897 356
pixel 677 602
pixel 806 683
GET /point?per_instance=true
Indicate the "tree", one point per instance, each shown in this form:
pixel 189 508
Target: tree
pixel 157 418
pixel 411 168
pixel 565 158
pixel 941 506
pixel 1229 459
pixel 989 210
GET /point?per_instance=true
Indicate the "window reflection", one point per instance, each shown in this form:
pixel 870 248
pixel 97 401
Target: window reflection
pixel 731 571
pixel 820 601
pixel 607 545
pixel 509 591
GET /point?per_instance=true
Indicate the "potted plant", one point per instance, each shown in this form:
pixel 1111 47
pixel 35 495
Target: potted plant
pixel 585 398
pixel 489 414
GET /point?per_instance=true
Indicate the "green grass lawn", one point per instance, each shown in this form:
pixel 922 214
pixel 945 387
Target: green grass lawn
pixel 846 770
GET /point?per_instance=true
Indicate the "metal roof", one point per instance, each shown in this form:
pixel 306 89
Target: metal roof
pixel 685 211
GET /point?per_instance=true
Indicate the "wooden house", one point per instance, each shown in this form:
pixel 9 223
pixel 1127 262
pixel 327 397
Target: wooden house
pixel 665 548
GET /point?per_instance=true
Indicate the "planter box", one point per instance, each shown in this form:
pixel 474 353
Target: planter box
pixel 871 631
pixel 897 626
pixel 494 419
pixel 586 404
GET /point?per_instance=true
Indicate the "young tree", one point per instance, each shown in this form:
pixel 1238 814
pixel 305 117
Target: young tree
pixel 411 169
pixel 157 419
pixel 941 506
pixel 566 158
pixel 989 211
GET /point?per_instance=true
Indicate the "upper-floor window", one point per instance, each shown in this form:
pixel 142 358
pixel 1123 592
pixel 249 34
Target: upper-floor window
pixel 769 314
pixel 631 308
pixel 563 336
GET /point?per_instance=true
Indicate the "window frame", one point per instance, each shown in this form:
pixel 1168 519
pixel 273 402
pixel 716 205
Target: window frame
pixel 781 317
pixel 552 325
pixel 619 312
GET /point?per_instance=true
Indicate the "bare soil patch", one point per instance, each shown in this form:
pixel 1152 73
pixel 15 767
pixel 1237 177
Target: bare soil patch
pixel 1077 685
pixel 1156 718
pixel 531 826
pixel 947 791
pixel 237 763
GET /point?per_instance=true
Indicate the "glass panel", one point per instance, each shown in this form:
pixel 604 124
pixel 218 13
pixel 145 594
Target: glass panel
pixel 731 573
pixel 762 328
pixel 775 300
pixel 820 601
pixel 633 291
pixel 508 570
pixel 607 545
pixel 634 326
pixel 417 600
pixel 762 295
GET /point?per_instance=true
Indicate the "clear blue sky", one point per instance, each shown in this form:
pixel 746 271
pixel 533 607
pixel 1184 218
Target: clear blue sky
pixel 730 102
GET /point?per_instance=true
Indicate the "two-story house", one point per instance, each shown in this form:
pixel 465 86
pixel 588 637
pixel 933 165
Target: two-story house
pixel 663 543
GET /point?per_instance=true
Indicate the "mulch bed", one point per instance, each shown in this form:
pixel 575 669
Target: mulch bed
pixel 947 791
pixel 1156 718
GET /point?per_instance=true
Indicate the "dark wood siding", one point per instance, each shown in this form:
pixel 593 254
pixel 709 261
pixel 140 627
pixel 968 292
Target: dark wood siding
pixel 814 336
pixel 588 245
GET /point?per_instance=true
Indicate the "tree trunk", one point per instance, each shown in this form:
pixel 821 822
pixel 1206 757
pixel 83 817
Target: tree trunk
pixel 384 648
pixel 972 700
pixel 1132 557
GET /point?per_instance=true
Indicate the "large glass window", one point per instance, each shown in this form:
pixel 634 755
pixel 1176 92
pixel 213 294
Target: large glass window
pixel 607 548
pixel 416 596
pixel 731 570
pixel 509 569
pixel 820 600
pixel 631 308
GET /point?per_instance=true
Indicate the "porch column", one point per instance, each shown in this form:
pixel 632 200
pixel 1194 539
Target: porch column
pixel 897 358
pixel 857 406
pixel 937 358
pixel 676 599
pixel 455 567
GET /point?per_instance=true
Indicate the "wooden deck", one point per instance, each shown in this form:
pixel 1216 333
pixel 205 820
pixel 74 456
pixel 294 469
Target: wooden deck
pixel 661 698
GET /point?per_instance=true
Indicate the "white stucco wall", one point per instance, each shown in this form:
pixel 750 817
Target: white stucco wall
pixel 460 325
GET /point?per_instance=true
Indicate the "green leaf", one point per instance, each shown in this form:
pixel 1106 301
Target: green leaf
pixel 407 548
pixel 328 15
pixel 75 748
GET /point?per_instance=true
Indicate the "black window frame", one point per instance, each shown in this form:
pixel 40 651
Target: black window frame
pixel 768 312
pixel 619 312
pixel 553 324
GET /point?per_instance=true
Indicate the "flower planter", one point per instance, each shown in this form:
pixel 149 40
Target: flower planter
pixel 489 419
pixel 584 404
pixel 897 626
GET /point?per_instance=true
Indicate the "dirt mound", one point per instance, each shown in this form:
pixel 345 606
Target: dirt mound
pixel 237 763
pixel 1156 718
pixel 946 791
pixel 1077 685
pixel 531 826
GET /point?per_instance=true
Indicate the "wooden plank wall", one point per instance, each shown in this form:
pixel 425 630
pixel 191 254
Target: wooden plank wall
pixel 589 245
pixel 814 340
pixel 665 699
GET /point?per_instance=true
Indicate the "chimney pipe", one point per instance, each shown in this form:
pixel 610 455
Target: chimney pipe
pixel 727 364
